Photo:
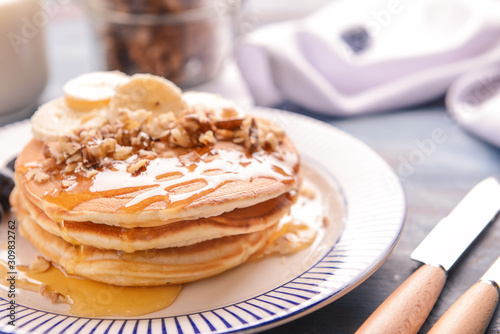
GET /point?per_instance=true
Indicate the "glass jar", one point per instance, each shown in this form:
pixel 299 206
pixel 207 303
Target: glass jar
pixel 185 41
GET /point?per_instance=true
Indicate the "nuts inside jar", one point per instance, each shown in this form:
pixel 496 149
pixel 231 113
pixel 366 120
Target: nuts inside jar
pixel 183 41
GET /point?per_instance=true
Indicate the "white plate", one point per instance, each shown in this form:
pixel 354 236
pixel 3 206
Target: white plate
pixel 263 294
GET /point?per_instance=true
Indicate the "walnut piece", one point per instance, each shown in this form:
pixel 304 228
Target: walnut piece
pixel 147 154
pixel 180 137
pixel 55 297
pixel 271 142
pixel 90 173
pixel 67 183
pixel 37 174
pixel 39 265
pixel 122 152
pixel 137 167
pixel 207 138
pixel 30 175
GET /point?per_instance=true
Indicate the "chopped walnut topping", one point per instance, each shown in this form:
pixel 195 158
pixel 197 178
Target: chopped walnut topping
pixel 207 138
pixel 37 175
pixel 231 124
pixel 96 151
pixel 88 159
pixel 39 265
pixel 141 141
pixel 109 145
pixel 137 167
pixel 67 183
pixel 61 150
pixel 90 173
pixel 180 137
pixel 122 152
pixel 138 132
pixel 30 175
pixel 271 142
pixel 250 134
pixel 90 135
pixel 191 123
pixel 147 154
pixel 48 164
pixel 55 297
pixel 140 116
pixel 223 134
pixel 70 167
pixel 158 146
pixel 160 126
pixel 77 157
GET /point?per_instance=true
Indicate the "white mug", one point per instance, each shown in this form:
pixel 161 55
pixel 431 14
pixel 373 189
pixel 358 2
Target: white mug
pixel 23 60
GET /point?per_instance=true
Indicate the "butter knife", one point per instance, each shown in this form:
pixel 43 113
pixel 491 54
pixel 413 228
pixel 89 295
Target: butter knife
pixel 472 312
pixel 406 309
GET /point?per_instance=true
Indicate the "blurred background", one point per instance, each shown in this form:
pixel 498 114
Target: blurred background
pixel 336 58
pixel 189 42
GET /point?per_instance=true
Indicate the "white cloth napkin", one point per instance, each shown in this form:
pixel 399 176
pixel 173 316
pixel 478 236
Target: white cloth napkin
pixel 413 52
pixel 486 124
pixel 474 101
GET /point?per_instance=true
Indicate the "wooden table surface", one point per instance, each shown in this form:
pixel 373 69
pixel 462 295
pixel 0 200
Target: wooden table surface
pixel 433 187
pixel 435 177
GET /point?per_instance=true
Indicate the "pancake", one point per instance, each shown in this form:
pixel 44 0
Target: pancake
pixel 182 233
pixel 167 189
pixel 174 265
pixel 179 184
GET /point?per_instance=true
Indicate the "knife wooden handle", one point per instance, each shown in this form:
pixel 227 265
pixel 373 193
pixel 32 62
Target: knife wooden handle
pixel 406 309
pixel 471 313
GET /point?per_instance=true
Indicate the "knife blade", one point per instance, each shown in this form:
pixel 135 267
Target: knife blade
pixel 472 312
pixel 463 225
pixel 406 309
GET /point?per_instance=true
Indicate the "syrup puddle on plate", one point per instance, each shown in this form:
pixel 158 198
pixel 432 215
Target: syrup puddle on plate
pixel 95 299
pixel 303 229
pixel 90 298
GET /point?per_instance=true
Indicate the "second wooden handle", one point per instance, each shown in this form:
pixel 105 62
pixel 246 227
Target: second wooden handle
pixel 471 313
pixel 406 309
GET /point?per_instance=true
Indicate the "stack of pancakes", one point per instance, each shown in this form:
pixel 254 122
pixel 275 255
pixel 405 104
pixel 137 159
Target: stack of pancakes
pixel 187 213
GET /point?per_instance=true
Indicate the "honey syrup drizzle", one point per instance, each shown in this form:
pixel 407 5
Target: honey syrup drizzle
pixel 94 299
pixel 90 298
pixel 288 238
pixel 174 182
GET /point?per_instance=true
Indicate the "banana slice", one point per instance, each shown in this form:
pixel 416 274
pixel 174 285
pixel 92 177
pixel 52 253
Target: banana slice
pixel 55 119
pixel 148 92
pixel 92 90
